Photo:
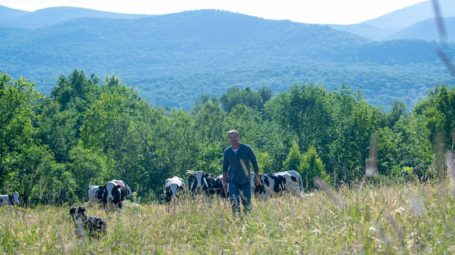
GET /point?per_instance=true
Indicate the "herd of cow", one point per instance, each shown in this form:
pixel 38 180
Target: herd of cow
pixel 112 194
pixel 209 185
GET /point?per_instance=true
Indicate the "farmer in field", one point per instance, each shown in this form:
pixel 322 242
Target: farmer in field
pixel 236 170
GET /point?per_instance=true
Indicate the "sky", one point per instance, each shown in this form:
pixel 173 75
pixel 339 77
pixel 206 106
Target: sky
pixel 306 11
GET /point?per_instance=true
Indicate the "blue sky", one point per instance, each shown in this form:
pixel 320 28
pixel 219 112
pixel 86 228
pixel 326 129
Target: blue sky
pixel 308 11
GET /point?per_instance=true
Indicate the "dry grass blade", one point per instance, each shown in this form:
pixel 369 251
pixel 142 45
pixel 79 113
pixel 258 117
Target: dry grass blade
pixel 442 37
pixel 451 170
pixel 439 21
pixel 371 168
pixel 330 193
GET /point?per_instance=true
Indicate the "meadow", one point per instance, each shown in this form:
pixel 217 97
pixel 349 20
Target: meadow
pixel 361 219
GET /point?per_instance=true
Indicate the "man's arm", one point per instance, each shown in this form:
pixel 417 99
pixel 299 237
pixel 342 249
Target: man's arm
pixel 255 166
pixel 225 168
pixel 254 161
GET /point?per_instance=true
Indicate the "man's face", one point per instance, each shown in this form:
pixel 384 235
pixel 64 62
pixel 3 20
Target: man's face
pixel 234 139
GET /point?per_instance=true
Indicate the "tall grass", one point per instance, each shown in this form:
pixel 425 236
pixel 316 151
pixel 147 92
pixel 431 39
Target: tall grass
pixel 412 218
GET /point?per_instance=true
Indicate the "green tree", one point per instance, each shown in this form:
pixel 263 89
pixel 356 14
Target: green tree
pixel 311 166
pixel 293 159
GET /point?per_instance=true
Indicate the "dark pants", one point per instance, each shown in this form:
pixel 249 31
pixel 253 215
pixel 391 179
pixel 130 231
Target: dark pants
pixel 235 195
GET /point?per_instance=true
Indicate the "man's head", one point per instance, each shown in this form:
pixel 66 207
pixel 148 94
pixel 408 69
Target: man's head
pixel 234 137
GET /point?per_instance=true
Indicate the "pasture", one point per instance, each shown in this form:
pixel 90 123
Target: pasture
pixel 408 218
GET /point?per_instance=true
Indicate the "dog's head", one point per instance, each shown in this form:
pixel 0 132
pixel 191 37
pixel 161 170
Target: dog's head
pixel 78 214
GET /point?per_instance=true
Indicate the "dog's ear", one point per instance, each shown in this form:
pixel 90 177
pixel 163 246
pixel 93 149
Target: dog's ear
pixel 72 210
pixel 81 210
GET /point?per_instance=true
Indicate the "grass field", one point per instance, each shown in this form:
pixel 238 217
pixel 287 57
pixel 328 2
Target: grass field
pixel 412 218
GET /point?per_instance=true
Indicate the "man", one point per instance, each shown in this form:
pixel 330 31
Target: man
pixel 236 164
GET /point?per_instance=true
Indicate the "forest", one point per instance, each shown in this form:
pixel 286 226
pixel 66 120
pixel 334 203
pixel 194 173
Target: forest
pixel 87 131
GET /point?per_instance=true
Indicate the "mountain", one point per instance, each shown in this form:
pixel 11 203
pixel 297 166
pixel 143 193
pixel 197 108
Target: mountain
pixel 53 15
pixel 7 14
pixel 426 30
pixel 172 59
pixel 386 26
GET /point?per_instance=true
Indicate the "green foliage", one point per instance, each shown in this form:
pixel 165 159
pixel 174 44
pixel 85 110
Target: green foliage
pixel 311 166
pixel 86 133
pixel 255 100
pixel 293 159
pixel 439 111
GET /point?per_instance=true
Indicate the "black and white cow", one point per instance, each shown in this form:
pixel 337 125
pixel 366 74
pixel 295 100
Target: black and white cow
pixel 95 195
pixel 114 193
pixel 9 199
pixel 199 182
pixel 173 187
pixel 93 225
pixel 215 187
pixel 275 183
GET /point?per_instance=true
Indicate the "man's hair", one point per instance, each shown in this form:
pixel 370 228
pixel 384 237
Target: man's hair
pixel 233 131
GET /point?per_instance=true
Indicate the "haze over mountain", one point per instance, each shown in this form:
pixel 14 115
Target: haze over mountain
pixel 50 16
pixel 426 30
pixel 172 59
pixel 386 26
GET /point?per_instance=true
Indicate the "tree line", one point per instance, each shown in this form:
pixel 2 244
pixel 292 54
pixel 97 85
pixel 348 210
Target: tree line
pixel 88 131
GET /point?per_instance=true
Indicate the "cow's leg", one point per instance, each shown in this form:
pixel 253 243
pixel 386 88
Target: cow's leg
pixel 118 208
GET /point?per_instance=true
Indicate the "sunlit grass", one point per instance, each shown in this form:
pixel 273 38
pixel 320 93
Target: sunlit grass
pixel 417 218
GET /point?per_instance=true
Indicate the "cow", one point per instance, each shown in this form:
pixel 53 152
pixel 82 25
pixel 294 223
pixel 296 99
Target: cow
pixel 9 199
pixel 95 194
pixel 199 181
pixel 93 225
pixel 215 187
pixel 173 187
pixel 114 193
pixel 276 183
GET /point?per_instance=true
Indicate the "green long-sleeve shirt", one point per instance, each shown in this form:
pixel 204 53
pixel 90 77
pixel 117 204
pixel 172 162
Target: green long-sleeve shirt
pixel 237 165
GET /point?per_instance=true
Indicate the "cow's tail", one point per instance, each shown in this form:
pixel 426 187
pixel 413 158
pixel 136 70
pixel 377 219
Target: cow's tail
pixel 300 183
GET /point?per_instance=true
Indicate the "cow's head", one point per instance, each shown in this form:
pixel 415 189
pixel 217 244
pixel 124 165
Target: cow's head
pixel 118 194
pixel 173 188
pixel 197 181
pixel 257 187
pixel 129 193
pixel 110 186
pixel 173 191
pixel 101 193
pixel 14 198
pixel 263 188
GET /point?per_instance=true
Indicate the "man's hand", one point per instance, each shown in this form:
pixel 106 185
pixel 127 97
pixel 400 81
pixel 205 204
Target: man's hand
pixel 224 181
pixel 257 180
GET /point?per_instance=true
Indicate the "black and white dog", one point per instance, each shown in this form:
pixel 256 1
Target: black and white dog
pixel 94 226
pixel 9 199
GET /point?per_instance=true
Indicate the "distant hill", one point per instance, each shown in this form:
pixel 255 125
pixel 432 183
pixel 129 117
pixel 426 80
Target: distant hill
pixel 426 30
pixel 386 26
pixel 172 59
pixel 50 16
pixel 7 14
